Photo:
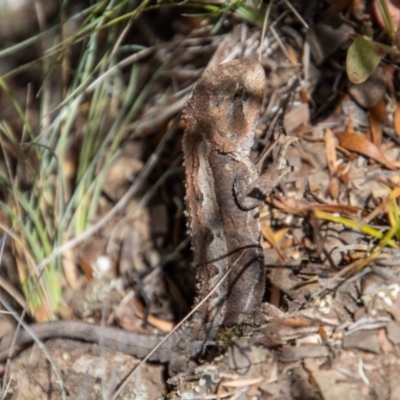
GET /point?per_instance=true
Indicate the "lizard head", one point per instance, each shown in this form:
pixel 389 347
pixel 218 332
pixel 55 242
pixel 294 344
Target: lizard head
pixel 225 104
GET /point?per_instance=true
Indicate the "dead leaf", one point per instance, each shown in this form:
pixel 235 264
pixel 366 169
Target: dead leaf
pixel 323 334
pixel 280 234
pixel 330 149
pixel 304 97
pixel 333 188
pixel 395 311
pixel 342 209
pixel 86 268
pixel 70 272
pixel 342 172
pixel 120 174
pixel 384 342
pixel 293 206
pixel 292 56
pixel 272 238
pixel 379 111
pixel 396 192
pixel 361 145
pixel 297 322
pixel 396 119
pixel 310 364
pixel 130 313
pixel 297 117
pixel 41 313
pixel 376 131
pixel 238 383
pixel 293 354
pixel 161 324
pixel 335 385
pixel 394 180
pixel 275 296
pixel 377 115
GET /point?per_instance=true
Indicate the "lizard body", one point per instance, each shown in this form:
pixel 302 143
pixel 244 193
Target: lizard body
pixel 223 192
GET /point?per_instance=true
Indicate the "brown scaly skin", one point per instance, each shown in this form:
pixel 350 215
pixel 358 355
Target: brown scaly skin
pixel 224 189
pixel 223 193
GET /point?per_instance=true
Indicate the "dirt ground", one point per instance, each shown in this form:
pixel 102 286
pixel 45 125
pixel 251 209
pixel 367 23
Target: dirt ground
pixel 330 324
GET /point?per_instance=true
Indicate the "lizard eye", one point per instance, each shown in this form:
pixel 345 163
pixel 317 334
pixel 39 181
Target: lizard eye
pixel 240 94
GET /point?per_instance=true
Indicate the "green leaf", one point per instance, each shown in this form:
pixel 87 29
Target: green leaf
pixel 363 57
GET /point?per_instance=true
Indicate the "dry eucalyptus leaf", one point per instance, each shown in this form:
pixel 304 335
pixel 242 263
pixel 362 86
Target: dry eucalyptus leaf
pixel 361 145
pixel 330 151
pixel 377 115
pixel 396 119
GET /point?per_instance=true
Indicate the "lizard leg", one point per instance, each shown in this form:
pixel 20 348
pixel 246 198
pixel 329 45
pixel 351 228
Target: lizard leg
pixel 250 195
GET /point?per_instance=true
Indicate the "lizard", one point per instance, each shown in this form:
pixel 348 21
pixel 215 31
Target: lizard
pixel 224 190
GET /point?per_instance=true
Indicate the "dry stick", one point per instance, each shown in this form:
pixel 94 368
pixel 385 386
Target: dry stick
pixel 147 124
pixel 131 60
pixel 10 289
pixel 296 13
pixel 116 68
pixel 264 29
pixel 125 31
pixel 278 117
pixel 137 367
pixel 280 43
pixel 6 389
